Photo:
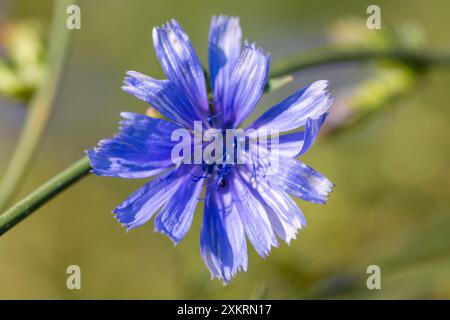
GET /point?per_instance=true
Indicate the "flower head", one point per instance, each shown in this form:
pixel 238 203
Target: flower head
pixel 241 199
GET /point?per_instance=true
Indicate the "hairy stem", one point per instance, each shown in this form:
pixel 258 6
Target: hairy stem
pixel 40 107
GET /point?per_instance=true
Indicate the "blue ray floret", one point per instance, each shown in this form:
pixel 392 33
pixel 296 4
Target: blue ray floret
pixel 241 201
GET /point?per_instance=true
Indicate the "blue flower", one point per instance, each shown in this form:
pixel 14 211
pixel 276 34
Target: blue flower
pixel 240 201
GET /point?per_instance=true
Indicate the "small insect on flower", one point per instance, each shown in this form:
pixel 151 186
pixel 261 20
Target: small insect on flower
pixel 242 199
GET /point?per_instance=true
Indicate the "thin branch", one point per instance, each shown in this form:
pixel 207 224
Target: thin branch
pixel 326 56
pixel 44 193
pixel 40 107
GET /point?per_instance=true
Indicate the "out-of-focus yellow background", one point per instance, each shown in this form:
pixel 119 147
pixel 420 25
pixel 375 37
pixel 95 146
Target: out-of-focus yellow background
pixel 390 207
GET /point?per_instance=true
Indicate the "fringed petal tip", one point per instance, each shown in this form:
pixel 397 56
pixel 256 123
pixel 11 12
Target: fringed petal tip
pixel 326 186
pixel 129 82
pixel 320 85
pixel 141 85
pixel 121 219
pixel 254 47
pixel 97 161
pixel 175 240
pixel 321 88
pixel 227 275
pixel 298 227
pixel 133 77
pixel 90 155
pixel 222 19
pixel 325 196
pixel 169 25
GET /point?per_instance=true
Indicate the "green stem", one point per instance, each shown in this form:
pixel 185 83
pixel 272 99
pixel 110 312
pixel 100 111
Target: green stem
pixel 44 193
pixel 326 56
pixel 81 168
pixel 40 107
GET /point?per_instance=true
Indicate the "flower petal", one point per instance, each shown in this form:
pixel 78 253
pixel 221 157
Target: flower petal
pixel 292 113
pixel 254 217
pixel 164 95
pixel 222 239
pixel 246 85
pixel 176 216
pixel 142 204
pixel 284 214
pixel 181 64
pixel 141 149
pixel 225 45
pixel 295 144
pixel 300 180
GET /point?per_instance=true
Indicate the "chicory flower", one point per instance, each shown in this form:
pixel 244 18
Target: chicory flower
pixel 241 201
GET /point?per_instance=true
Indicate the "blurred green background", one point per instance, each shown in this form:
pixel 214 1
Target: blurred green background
pixel 390 207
